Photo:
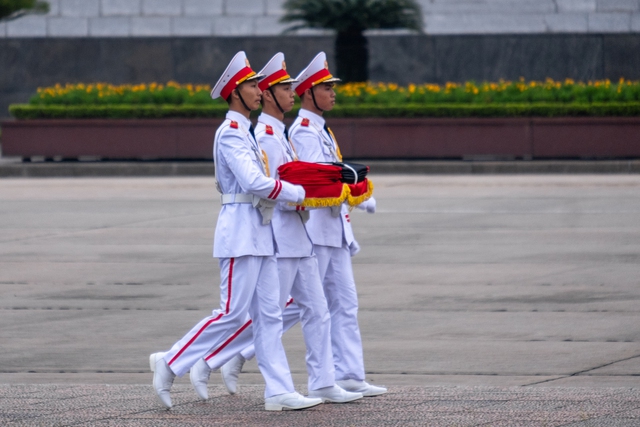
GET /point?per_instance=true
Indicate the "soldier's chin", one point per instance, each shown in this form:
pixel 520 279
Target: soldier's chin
pixel 330 107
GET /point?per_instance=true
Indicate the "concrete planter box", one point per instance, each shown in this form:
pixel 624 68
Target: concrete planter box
pixel 416 138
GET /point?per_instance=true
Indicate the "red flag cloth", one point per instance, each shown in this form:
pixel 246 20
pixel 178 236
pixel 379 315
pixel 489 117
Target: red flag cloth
pixel 323 184
pixel 360 192
pixel 320 182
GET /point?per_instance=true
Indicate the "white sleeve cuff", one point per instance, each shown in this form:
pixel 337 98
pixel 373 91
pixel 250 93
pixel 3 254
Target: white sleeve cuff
pixel 301 193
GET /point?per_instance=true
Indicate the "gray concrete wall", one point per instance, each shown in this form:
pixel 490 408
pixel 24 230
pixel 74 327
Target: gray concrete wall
pixel 179 18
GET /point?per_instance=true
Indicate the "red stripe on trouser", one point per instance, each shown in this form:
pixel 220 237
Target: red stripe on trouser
pixel 238 332
pixel 274 191
pixel 229 285
pixel 231 338
pixel 206 325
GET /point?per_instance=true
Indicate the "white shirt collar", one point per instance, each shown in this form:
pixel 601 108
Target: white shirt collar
pixel 271 121
pixel 319 120
pixel 237 117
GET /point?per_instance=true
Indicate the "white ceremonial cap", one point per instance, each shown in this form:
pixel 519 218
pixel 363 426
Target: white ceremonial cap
pixel 238 71
pixel 275 72
pixel 316 72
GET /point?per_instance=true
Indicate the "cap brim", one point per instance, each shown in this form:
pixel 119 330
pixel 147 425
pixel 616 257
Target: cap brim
pixel 256 76
pixel 287 81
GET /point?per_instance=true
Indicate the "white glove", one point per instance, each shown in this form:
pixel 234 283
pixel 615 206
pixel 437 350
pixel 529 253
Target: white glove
pixel 369 205
pixel 354 248
pixel 301 194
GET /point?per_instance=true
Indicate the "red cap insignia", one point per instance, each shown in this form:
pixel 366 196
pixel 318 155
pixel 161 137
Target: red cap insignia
pixel 305 122
pixel 233 124
pixel 269 130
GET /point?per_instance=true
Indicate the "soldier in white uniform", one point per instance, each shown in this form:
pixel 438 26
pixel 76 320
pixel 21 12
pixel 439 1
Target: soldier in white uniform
pixel 245 245
pixel 330 228
pixel 297 264
pixel 331 234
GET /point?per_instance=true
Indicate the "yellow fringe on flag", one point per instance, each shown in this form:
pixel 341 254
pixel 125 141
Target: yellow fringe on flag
pixel 354 201
pixel 326 202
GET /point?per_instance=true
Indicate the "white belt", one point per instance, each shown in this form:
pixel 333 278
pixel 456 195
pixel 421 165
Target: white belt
pixel 236 198
pixel 264 206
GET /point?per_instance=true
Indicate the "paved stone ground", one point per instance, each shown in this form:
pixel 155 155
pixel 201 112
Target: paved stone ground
pixel 485 300
pixel 135 405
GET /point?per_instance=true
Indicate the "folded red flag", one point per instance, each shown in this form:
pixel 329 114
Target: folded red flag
pixel 323 184
pixel 360 192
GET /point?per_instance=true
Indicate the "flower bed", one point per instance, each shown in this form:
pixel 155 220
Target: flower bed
pixel 527 120
pixel 519 92
pixel 502 99
pixel 502 92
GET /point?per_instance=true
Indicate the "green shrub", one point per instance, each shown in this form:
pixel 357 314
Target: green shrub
pixel 489 93
pixel 141 94
pixel 502 99
pixel 25 111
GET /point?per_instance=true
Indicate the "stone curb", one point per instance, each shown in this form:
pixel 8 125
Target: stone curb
pixel 203 168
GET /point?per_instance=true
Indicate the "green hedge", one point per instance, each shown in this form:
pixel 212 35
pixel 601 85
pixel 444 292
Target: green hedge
pixel 26 111
pixel 501 92
pixel 623 109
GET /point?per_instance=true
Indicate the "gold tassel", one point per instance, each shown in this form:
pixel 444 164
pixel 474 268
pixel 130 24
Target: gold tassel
pixel 327 202
pixel 338 153
pixel 354 201
pixel 265 162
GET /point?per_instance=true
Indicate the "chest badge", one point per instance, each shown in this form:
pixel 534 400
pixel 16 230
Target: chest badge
pixel 233 124
pixel 305 122
pixel 269 130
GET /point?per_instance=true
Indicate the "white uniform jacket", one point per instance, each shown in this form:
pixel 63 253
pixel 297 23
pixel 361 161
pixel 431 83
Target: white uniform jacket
pixel 290 233
pixel 314 144
pixel 240 170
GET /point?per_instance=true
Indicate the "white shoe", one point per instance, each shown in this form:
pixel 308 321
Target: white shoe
pixel 335 394
pixel 363 387
pixel 199 376
pixel 162 378
pixel 290 401
pixel 230 372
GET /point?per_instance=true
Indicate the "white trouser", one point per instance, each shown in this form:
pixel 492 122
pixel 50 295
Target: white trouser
pixel 336 274
pixel 290 317
pixel 340 290
pixel 249 287
pixel 299 278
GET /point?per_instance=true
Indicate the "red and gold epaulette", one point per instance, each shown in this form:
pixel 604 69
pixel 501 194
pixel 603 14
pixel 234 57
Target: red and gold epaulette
pixel 305 122
pixel 269 130
pixel 233 124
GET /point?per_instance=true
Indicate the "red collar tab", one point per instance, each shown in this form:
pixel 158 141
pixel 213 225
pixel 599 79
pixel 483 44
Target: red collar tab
pixel 269 130
pixel 238 78
pixel 312 80
pixel 305 122
pixel 233 124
